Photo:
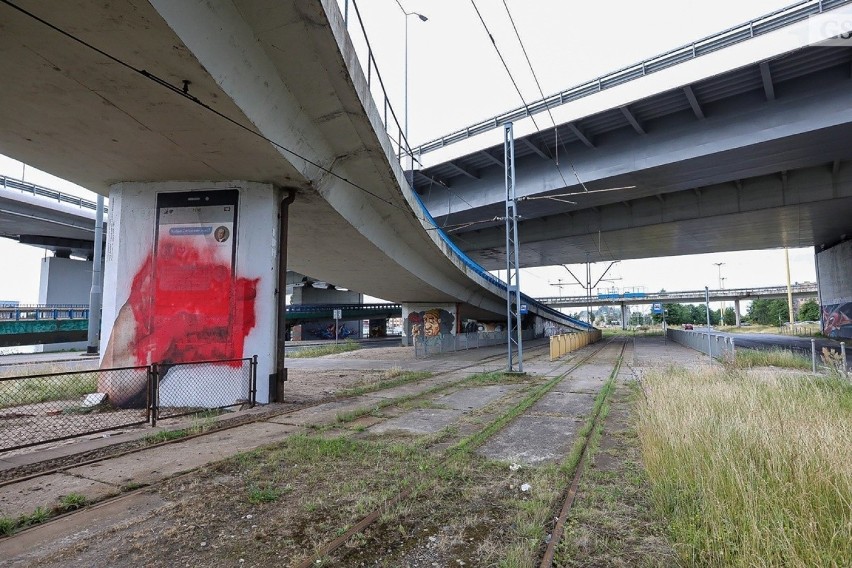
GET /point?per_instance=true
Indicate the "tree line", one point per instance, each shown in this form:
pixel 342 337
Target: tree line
pixel 763 312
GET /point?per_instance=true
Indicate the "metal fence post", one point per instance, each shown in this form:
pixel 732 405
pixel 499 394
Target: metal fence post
pixel 813 355
pixel 253 382
pixel 843 356
pixel 152 396
pixel 155 392
pixel 733 351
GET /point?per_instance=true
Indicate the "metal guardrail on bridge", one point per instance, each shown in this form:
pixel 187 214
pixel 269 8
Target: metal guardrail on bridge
pixel 692 295
pixel 44 312
pixel 52 194
pixel 759 26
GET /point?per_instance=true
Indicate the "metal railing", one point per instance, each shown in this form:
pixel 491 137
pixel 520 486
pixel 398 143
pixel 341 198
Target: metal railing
pixel 725 348
pixel 49 407
pixel 187 388
pixel 731 36
pixel 52 194
pixel 35 409
pixel 717 346
pixel 649 297
pixel 44 312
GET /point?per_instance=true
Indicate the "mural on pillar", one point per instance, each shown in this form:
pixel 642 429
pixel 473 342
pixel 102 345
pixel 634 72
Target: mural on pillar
pixel 837 320
pixel 433 322
pixel 186 302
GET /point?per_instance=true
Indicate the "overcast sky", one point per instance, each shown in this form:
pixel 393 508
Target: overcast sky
pixel 456 79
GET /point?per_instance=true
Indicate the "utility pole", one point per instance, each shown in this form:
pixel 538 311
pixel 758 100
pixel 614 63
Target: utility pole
pixel 789 287
pixel 513 285
pixel 719 265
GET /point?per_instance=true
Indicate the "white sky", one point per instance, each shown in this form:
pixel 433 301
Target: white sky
pixel 456 79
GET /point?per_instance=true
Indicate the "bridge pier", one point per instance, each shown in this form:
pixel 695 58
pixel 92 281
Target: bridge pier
pixel 309 294
pixel 191 275
pixel 64 281
pixel 737 311
pixel 834 284
pixel 428 321
pixel 625 315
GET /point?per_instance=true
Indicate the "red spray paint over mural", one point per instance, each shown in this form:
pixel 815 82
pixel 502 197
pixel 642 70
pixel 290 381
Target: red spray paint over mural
pixel 187 306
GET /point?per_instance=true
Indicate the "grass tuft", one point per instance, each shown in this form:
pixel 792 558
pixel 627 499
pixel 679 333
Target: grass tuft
pixel 264 494
pixel 72 501
pixel 322 350
pixel 747 358
pixel 748 470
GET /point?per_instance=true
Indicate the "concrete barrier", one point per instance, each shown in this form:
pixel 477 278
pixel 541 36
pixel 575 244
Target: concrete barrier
pixel 561 345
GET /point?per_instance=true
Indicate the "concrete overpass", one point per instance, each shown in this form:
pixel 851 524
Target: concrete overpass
pixel 689 296
pixel 245 103
pixel 39 216
pixel 738 141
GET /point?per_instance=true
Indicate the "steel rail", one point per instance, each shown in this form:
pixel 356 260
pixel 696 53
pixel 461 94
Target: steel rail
pixel 237 423
pixel 556 535
pixel 374 515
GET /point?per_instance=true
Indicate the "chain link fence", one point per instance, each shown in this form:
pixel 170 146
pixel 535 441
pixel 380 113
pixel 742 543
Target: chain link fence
pixel 426 346
pixel 35 409
pixel 189 388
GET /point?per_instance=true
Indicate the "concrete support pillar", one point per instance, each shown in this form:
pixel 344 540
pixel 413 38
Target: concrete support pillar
pixel 737 311
pixel 430 321
pixel 324 294
pixel 191 283
pixel 625 315
pixel 65 281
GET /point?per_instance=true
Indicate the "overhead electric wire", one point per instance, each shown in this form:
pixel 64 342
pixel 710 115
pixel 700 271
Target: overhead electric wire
pixel 541 92
pixel 517 88
pixel 181 91
pixel 557 141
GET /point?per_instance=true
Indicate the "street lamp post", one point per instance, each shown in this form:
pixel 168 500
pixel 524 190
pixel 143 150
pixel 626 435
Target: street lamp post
pixel 719 265
pixel 405 126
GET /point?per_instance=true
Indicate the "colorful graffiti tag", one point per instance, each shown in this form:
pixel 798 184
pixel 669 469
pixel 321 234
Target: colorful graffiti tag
pixel 434 322
pixel 837 320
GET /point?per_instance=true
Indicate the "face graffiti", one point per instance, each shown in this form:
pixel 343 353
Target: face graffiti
pixel 431 323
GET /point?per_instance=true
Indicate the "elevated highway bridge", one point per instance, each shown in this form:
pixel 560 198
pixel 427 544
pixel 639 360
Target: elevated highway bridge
pixel 742 144
pixel 689 296
pixel 737 141
pixel 260 106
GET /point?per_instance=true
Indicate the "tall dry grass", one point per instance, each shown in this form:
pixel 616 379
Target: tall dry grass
pixel 751 470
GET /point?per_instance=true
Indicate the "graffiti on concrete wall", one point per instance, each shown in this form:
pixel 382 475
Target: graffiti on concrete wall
pixel 837 320
pixel 186 301
pixel 434 322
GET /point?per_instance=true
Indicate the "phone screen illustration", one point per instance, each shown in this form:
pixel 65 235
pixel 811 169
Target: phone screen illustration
pixel 193 275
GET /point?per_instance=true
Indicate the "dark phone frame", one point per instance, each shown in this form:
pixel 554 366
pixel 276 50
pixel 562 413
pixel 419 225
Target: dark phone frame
pixel 197 198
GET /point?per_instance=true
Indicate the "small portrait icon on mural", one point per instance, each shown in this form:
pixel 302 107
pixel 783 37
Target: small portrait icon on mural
pixel 221 233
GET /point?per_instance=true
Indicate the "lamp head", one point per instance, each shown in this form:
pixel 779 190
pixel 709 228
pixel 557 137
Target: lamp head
pixel 422 17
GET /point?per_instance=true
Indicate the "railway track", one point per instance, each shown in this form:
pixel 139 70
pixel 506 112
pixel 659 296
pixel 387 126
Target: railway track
pixel 567 366
pixel 59 465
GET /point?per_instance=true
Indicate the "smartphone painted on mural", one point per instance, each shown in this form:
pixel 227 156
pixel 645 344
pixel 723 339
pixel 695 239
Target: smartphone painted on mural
pixel 193 275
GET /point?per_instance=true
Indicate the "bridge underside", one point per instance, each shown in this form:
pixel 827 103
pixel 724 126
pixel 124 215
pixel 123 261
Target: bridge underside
pixel 755 158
